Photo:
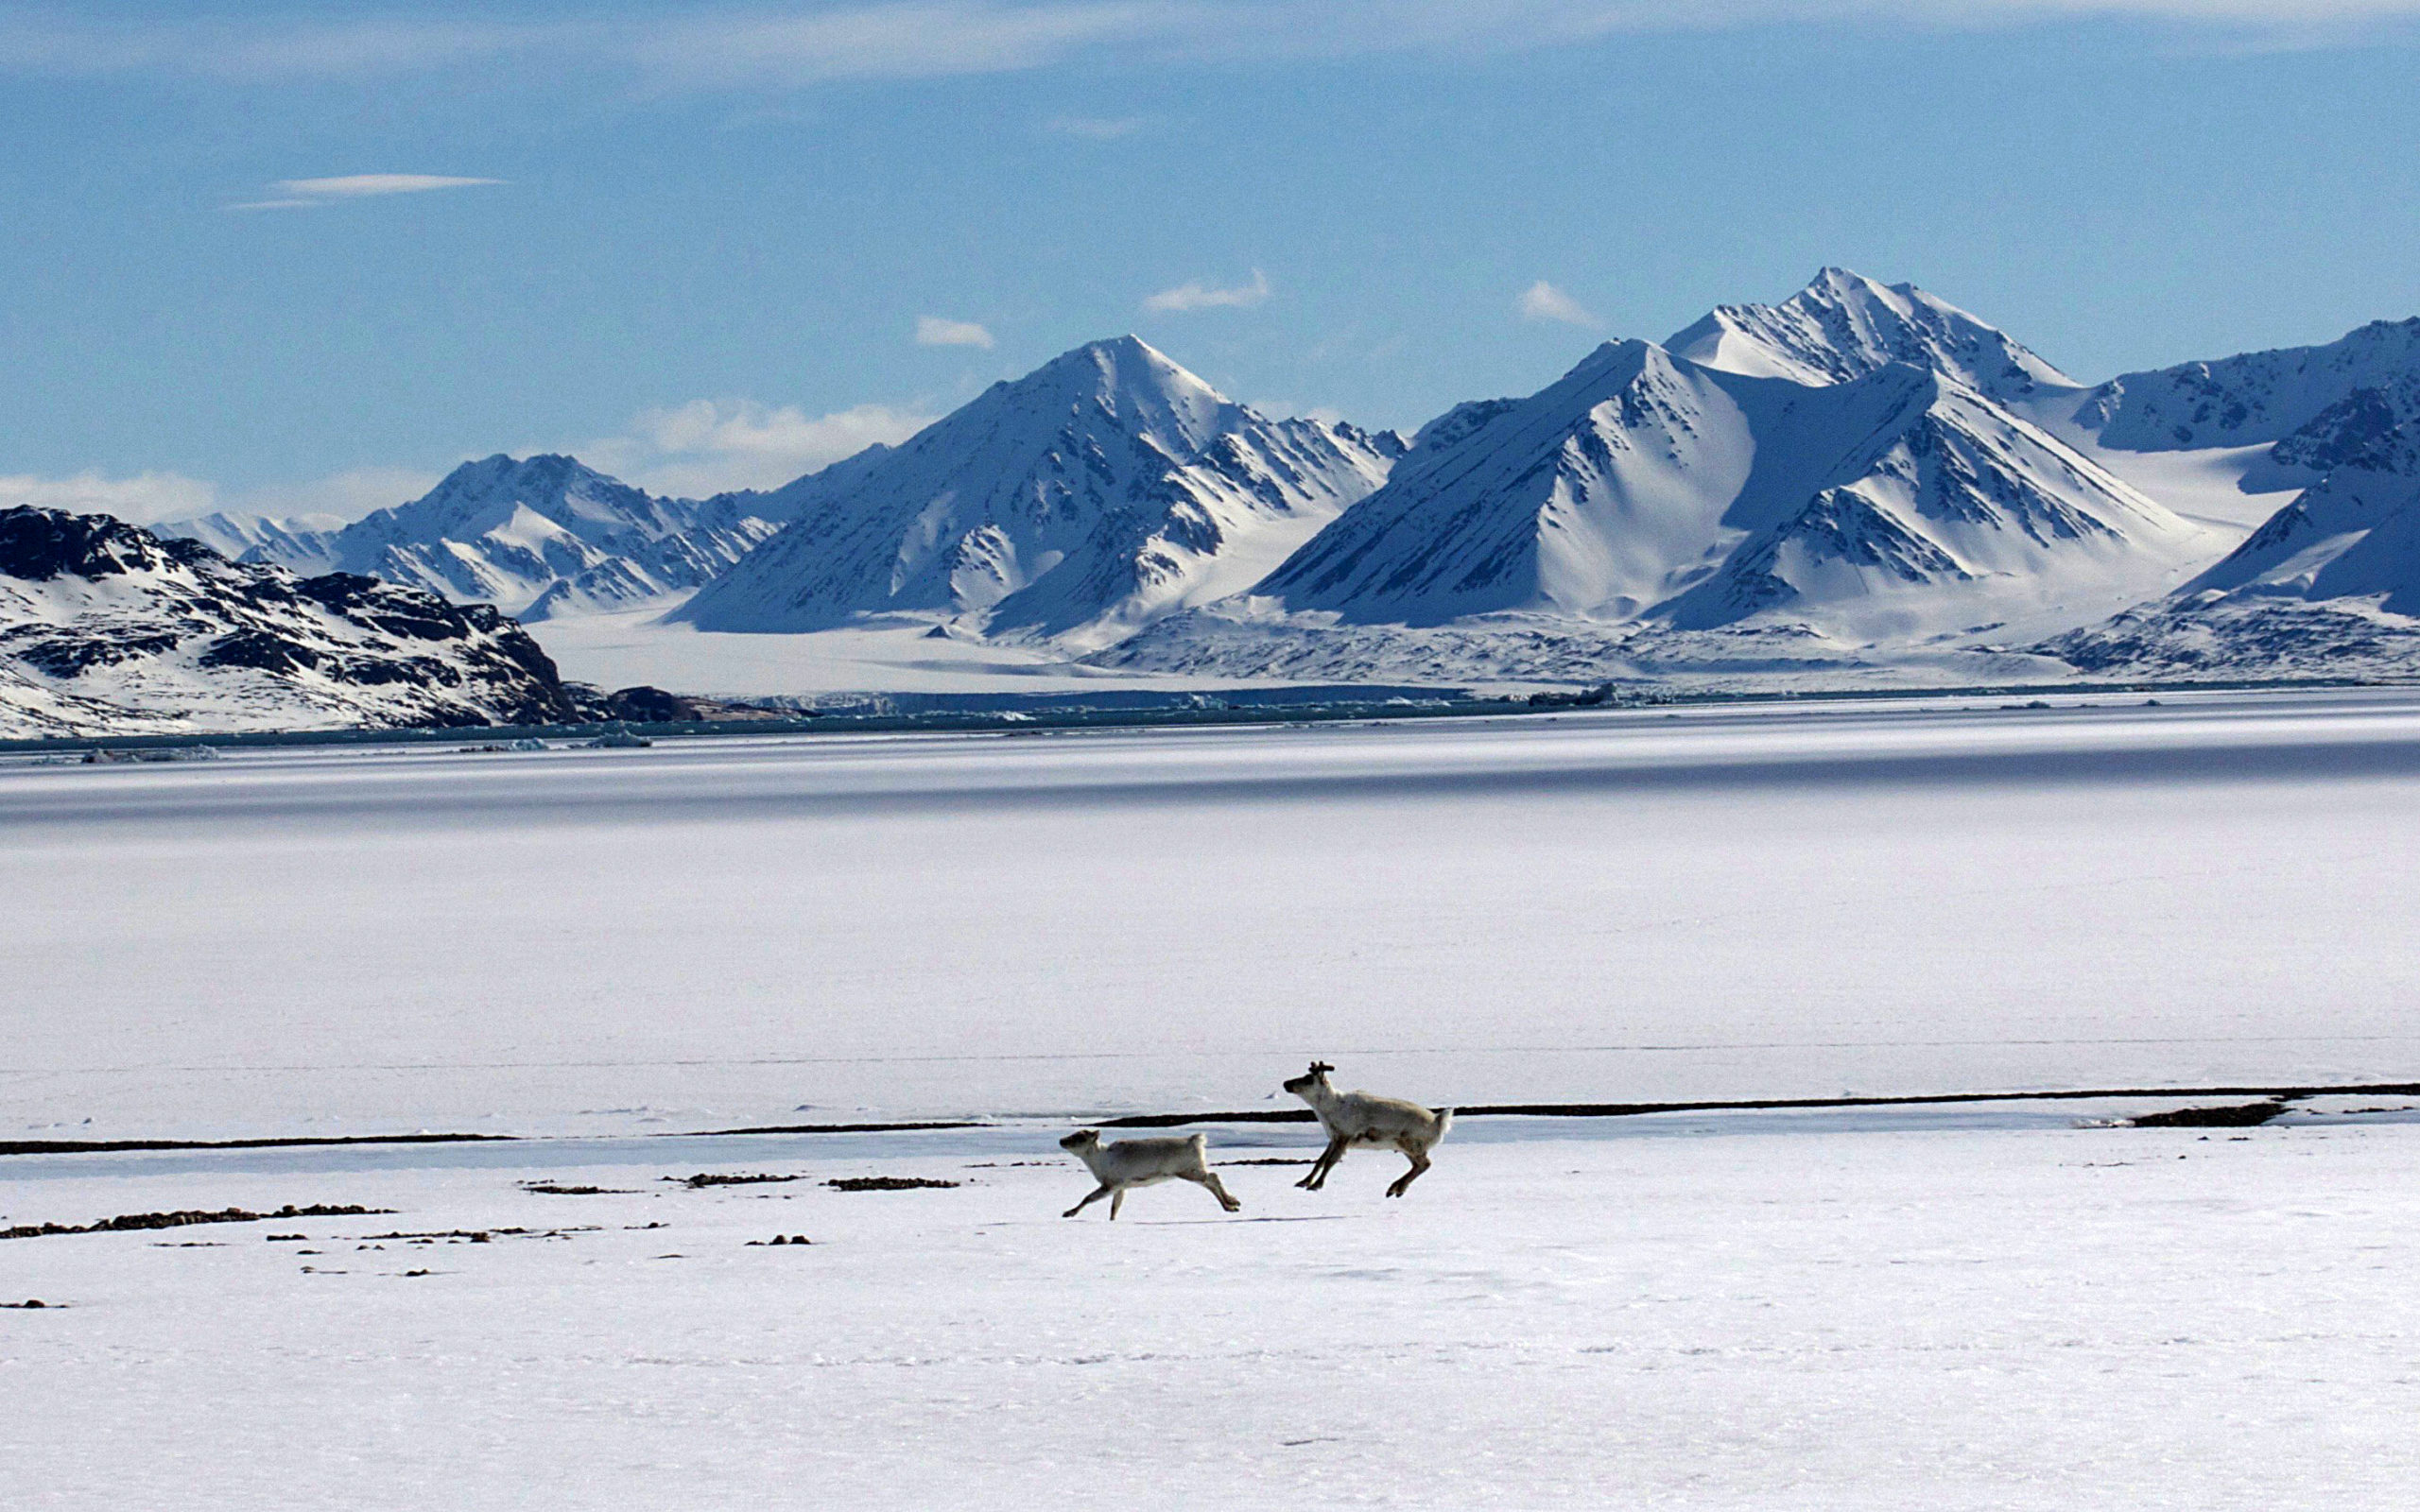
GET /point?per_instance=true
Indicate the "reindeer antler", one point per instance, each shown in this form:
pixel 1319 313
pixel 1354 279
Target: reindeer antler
pixel 1320 1066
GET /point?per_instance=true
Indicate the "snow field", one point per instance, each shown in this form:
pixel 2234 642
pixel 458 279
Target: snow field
pixel 1618 908
pixel 1968 1309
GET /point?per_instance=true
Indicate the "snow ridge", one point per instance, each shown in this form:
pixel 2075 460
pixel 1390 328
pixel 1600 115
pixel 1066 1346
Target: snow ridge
pixel 1845 325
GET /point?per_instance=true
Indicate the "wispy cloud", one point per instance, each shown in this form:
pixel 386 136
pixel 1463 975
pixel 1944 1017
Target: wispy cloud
pixel 1542 300
pixel 358 185
pixel 1209 296
pixel 305 194
pixel 719 45
pixel 707 446
pixel 932 330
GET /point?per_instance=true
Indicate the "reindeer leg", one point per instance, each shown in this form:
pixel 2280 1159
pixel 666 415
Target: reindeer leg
pixel 1218 1189
pixel 1419 1163
pixel 1326 1162
pixel 1098 1192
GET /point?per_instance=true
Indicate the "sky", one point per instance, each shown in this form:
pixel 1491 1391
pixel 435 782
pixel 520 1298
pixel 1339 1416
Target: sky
pixel 290 258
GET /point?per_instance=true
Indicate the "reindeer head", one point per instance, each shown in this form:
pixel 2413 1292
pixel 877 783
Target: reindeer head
pixel 1316 1076
pixel 1080 1140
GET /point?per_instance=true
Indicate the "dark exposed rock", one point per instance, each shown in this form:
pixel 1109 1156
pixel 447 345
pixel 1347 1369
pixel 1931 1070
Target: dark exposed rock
pixel 165 634
pixel 138 1221
pixel 2241 1115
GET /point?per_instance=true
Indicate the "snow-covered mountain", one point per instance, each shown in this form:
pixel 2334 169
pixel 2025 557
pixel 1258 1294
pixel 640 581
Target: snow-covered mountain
pixel 537 537
pixel 2329 586
pixel 1845 325
pixel 1103 490
pixel 1831 484
pixel 106 628
pixel 2316 407
pixel 304 542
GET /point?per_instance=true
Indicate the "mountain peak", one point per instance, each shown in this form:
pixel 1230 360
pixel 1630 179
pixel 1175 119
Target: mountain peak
pixel 1129 382
pixel 1843 325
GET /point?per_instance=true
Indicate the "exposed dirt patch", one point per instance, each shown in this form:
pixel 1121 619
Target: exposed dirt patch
pixel 736 1178
pixel 131 1221
pixel 884 1183
pixel 2240 1115
pixel 551 1189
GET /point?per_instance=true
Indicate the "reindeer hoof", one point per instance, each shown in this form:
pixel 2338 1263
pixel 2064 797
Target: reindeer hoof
pixel 1069 1213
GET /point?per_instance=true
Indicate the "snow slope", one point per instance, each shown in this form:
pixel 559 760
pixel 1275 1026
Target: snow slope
pixel 1103 490
pixel 2328 586
pixel 2236 440
pixel 105 629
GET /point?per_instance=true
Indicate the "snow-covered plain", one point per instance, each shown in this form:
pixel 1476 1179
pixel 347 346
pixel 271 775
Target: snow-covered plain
pixel 1980 1306
pixel 1634 906
pixel 1996 1311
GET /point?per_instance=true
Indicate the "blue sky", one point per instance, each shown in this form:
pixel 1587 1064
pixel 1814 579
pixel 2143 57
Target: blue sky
pixel 716 231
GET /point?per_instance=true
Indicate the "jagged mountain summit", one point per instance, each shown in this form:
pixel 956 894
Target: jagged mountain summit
pixel 303 542
pixel 108 629
pixel 547 535
pixel 1832 484
pixel 538 537
pixel 1845 325
pixel 1103 490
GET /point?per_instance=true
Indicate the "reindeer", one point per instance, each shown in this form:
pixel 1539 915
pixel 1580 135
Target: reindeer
pixel 1359 1118
pixel 1141 1162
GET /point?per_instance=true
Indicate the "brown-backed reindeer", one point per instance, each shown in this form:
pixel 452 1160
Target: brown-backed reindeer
pixel 1359 1118
pixel 1141 1162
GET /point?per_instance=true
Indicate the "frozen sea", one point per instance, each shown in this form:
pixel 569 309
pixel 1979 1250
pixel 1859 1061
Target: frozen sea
pixel 1632 906
pixel 1997 1305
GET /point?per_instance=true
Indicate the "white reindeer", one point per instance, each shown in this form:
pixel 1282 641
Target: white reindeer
pixel 1140 1163
pixel 1359 1118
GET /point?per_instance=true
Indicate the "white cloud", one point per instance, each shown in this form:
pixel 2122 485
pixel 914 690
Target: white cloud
pixel 902 39
pixel 357 186
pixel 1542 300
pixel 144 498
pixel 1208 297
pixel 932 330
pixel 718 44
pixel 305 194
pixel 709 446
